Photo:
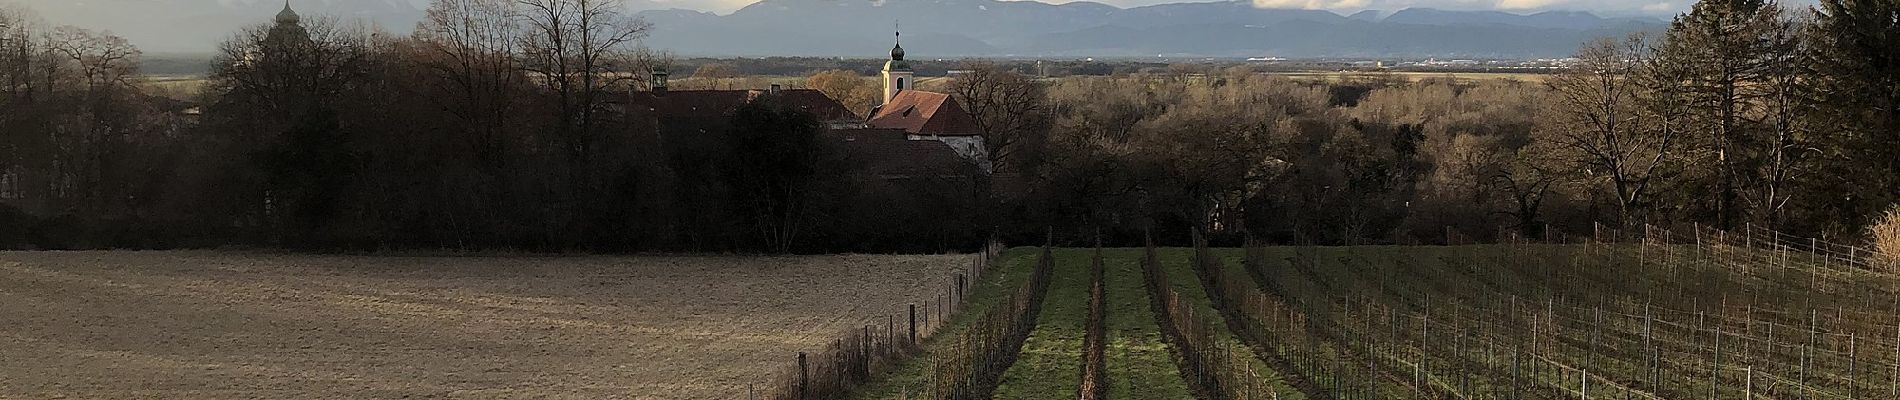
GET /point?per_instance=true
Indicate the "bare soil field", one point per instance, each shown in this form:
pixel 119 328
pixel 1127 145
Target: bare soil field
pixel 248 325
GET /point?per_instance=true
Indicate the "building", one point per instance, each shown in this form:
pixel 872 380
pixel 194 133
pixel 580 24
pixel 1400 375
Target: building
pixel 286 35
pixel 914 137
pixel 288 28
pixel 925 115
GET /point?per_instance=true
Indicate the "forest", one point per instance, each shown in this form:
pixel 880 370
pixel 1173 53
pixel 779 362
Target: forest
pixel 491 126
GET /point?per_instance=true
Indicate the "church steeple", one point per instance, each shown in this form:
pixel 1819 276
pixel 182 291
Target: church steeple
pixel 897 53
pixel 289 31
pixel 897 73
pixel 288 16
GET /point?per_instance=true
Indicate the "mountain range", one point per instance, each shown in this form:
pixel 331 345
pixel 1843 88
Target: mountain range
pixel 951 28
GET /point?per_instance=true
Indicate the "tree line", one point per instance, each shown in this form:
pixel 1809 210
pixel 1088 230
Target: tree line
pixel 496 124
pixel 1743 112
pixel 493 125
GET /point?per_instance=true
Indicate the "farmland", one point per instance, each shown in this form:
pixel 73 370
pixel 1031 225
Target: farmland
pixel 243 325
pixel 1689 314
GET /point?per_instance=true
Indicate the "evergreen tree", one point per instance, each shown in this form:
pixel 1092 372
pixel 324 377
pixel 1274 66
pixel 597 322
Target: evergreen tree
pixel 1857 65
pixel 1724 55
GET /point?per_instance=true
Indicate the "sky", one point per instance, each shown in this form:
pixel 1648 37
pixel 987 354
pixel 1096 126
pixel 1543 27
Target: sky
pixel 1657 8
pixel 1661 8
pixel 195 25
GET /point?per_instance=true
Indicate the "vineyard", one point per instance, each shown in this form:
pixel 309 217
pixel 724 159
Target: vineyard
pixel 1651 313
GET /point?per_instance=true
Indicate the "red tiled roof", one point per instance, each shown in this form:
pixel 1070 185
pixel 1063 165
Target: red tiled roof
pixel 815 102
pixel 924 113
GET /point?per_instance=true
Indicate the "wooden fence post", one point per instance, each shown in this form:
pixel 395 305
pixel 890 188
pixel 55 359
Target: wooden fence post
pixel 913 323
pixel 960 285
pixel 804 378
pixel 1715 368
pixel 1807 352
pixel 1853 358
pixel 1586 385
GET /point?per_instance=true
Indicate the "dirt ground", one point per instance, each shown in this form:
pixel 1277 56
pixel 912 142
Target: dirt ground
pixel 205 325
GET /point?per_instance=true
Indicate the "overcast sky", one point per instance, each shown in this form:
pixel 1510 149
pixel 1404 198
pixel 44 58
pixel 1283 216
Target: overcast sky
pixel 197 25
pixel 1607 7
pixel 1660 8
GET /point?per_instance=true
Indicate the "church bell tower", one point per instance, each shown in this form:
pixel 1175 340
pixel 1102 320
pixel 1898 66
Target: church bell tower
pixel 897 74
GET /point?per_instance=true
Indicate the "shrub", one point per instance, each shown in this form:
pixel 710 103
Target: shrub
pixel 13 228
pixel 64 232
pixel 1885 233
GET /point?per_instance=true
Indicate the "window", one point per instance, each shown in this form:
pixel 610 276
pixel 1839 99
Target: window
pixel 900 83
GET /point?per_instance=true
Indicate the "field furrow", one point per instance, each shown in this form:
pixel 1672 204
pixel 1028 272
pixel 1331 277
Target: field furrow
pixel 1050 364
pixel 1140 364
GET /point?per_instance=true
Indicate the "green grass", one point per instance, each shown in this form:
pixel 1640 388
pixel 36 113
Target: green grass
pixel 1140 365
pixel 1009 273
pixel 1050 365
pixel 1178 262
pixel 1476 286
pixel 1472 285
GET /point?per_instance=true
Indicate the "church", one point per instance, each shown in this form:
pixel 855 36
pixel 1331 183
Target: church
pixel 912 135
pixel 924 115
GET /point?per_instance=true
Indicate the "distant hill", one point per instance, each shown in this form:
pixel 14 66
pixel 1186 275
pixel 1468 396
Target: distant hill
pixel 944 28
pixel 1573 20
pixel 955 28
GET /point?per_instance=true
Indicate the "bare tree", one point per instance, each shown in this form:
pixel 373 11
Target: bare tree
pixel 1599 117
pixel 715 75
pixel 103 60
pixel 578 48
pixel 858 92
pixel 470 46
pixel 19 40
pixel 291 71
pixel 103 64
pixel 1527 177
pixel 16 45
pixel 1011 112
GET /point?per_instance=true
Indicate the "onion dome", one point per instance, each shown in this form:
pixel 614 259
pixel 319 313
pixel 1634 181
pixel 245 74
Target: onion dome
pixel 288 16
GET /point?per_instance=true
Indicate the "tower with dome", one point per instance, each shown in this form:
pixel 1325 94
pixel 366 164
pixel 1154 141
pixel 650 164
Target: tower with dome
pixel 288 29
pixel 897 74
pixel 926 115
